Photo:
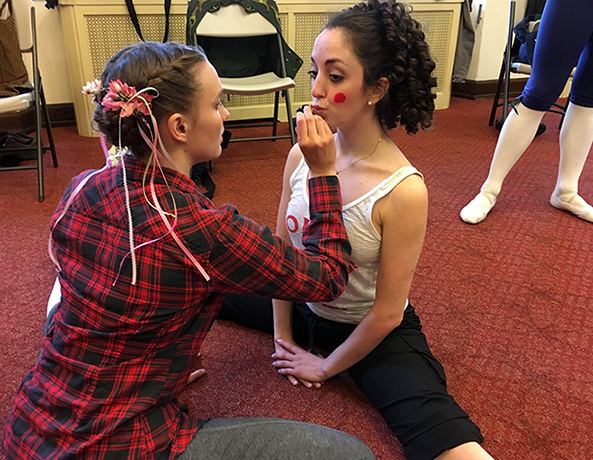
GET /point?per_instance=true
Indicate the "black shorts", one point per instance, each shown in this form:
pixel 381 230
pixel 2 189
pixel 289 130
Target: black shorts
pixel 401 377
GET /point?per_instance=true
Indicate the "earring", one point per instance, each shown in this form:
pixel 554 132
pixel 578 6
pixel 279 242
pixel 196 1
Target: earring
pixel 370 102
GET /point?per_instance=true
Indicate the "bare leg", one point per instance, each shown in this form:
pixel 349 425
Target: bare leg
pixel 576 137
pixel 467 451
pixel 517 133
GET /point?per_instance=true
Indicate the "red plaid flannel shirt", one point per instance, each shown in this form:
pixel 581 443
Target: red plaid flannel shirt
pixel 118 356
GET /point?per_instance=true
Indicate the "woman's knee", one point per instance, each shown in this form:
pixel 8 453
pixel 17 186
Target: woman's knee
pixel 269 438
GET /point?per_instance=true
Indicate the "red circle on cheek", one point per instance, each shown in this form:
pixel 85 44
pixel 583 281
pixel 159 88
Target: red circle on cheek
pixel 339 98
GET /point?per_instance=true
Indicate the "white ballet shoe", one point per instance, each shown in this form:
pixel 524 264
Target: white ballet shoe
pixel 572 202
pixel 478 208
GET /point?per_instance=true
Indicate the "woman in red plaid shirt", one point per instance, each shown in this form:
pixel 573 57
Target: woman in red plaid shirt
pixel 144 261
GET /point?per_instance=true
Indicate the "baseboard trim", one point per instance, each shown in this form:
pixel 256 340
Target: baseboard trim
pixel 485 89
pixel 59 115
pixel 62 114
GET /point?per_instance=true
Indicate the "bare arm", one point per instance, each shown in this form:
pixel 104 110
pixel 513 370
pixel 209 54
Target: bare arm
pixel 314 135
pixel 283 308
pixel 403 220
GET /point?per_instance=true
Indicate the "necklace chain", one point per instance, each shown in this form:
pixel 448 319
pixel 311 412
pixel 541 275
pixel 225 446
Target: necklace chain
pixel 360 159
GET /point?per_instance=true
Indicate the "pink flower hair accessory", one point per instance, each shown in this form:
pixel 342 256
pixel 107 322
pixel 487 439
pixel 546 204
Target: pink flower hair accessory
pixel 92 88
pixel 121 96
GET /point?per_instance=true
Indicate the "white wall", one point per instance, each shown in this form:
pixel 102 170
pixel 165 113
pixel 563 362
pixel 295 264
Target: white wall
pixel 487 57
pixel 53 64
pixel 491 37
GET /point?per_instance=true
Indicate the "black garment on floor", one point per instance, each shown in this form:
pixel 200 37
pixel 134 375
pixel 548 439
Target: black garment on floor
pixel 199 172
pixel 15 140
pixel 200 175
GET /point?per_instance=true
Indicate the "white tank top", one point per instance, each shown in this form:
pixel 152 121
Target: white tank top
pixel 359 295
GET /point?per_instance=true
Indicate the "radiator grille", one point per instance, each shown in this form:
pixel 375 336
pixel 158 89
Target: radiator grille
pixel 437 26
pixel 104 43
pixel 308 26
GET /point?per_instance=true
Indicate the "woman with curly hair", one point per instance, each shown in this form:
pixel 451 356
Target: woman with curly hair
pixel 371 70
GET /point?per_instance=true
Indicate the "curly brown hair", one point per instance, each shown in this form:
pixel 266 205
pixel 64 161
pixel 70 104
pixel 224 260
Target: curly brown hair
pixel 389 43
pixel 169 68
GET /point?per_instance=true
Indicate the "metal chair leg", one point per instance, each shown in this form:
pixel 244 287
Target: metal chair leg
pixel 495 103
pixel 39 148
pixel 275 122
pixel 507 58
pixel 290 120
pixel 505 72
pixel 563 108
pixel 50 138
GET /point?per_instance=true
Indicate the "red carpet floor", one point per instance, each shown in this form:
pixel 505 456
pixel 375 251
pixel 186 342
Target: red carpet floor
pixel 506 305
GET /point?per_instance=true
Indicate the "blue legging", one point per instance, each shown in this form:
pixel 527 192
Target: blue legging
pixel 565 35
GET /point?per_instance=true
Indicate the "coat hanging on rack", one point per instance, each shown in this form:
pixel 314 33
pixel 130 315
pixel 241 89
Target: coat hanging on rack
pixel 13 73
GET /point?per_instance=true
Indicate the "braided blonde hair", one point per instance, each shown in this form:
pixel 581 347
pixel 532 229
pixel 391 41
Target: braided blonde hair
pixel 169 68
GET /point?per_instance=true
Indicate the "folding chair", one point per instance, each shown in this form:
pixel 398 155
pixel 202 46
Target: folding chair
pixel 232 22
pixel 508 66
pixel 24 14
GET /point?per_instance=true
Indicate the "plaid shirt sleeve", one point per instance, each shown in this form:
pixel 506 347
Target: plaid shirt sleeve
pixel 247 258
pixel 118 356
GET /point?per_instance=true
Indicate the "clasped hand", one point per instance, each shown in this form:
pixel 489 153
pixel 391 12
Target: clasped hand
pixel 296 363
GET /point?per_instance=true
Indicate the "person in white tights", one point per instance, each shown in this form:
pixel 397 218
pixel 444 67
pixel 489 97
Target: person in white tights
pixel 565 36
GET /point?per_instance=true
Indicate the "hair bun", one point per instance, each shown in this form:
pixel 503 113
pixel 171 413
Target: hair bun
pixel 402 57
pixel 166 67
